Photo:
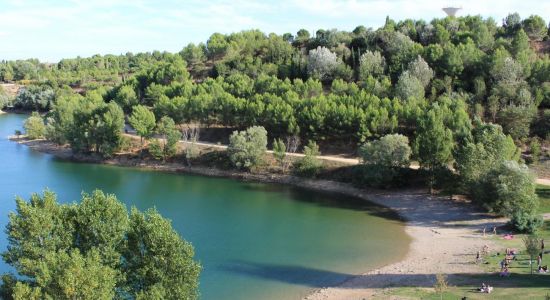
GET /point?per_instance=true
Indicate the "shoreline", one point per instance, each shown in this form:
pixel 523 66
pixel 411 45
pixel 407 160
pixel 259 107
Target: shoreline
pixel 445 235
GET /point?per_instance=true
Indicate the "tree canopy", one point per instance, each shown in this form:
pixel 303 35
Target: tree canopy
pixel 95 250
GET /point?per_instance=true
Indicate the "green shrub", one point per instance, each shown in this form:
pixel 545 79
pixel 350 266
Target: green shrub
pixel 525 222
pixel 309 165
pixel 247 148
pixel 34 126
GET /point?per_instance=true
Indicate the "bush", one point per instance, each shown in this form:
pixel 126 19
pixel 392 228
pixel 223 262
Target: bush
pixel 247 148
pixel 508 189
pixel 535 149
pixel 309 165
pixel 35 97
pixel 383 158
pixel 525 222
pixel 34 126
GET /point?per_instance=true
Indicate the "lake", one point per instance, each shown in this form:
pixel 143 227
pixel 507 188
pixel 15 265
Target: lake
pixel 254 241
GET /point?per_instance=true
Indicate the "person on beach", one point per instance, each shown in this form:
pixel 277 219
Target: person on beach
pixel 494 230
pixel 484 229
pixel 505 272
pixel 478 257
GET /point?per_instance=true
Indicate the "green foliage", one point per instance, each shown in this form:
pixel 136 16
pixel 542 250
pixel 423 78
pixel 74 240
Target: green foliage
pixel 281 82
pixel 35 97
pixel 532 247
pixel 279 152
pixel 96 129
pixel 508 188
pixel 166 146
pixel 322 63
pixel 34 126
pixel 489 147
pixel 4 98
pixel 309 165
pixel 371 64
pixel 526 222
pixel 535 150
pixel 516 121
pixel 535 27
pixel 434 143
pixel 95 250
pixel 409 87
pixel 143 121
pixel 126 97
pixel 384 158
pixel 247 148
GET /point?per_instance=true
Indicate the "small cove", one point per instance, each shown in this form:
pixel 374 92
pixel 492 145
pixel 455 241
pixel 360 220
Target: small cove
pixel 253 240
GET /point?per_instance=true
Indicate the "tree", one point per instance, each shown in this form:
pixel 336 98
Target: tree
pixel 34 97
pixel 143 121
pixel 535 27
pixel 309 165
pixel 279 152
pixel 247 148
pixel 385 157
pixel 166 146
pixel 371 64
pixel 433 144
pixel 159 263
pixel 489 147
pixel 532 247
pixel 95 250
pixel 4 98
pixel 508 188
pixel 516 121
pixel 321 63
pixel 126 97
pixel 420 69
pixel 409 87
pixel 95 127
pixel 34 126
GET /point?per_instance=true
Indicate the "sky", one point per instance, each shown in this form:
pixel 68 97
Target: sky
pixel 55 29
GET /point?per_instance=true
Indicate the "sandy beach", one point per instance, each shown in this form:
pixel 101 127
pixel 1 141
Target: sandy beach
pixel 446 237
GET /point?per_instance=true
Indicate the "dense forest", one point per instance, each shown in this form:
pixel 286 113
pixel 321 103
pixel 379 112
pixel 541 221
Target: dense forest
pixel 465 92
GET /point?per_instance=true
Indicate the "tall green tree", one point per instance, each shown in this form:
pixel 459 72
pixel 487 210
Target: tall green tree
pixel 434 144
pixel 95 250
pixel 34 126
pixel 166 146
pixel 143 121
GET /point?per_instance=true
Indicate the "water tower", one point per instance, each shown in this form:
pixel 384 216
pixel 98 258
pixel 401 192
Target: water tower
pixel 451 11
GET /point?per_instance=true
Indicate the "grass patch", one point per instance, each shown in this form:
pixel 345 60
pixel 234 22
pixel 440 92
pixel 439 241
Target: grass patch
pixel 543 191
pixel 519 285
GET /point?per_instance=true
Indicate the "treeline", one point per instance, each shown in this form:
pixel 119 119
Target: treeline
pixel 294 83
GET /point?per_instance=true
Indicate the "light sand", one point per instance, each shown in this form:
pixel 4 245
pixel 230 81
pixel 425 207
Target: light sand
pixel 446 237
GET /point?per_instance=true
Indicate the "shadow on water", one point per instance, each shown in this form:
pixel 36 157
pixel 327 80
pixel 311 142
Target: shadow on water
pixel 292 274
pixel 327 199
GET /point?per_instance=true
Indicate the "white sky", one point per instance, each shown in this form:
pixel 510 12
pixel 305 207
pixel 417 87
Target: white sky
pixel 50 30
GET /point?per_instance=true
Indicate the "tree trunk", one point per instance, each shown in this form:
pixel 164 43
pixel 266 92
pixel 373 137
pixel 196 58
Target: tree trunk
pixel 141 150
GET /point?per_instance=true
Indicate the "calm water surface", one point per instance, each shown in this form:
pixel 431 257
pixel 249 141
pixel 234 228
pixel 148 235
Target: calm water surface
pixel 254 241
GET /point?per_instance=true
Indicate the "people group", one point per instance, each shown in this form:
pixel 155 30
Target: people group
pixel 485 288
